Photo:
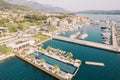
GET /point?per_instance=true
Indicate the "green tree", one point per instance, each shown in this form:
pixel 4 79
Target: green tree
pixel 70 55
pixel 32 57
pixel 56 68
pixel 48 48
pixel 42 61
pixel 5 50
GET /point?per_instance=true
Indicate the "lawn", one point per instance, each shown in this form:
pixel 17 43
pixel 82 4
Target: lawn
pixel 42 37
pixel 52 29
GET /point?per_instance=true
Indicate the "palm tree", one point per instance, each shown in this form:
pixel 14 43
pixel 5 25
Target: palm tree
pixel 57 51
pixel 32 57
pixel 70 55
pixel 40 47
pixel 56 69
pixel 48 48
pixel 42 61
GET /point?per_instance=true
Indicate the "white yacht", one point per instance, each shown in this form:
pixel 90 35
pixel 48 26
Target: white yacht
pixel 105 34
pixel 75 35
pixel 83 36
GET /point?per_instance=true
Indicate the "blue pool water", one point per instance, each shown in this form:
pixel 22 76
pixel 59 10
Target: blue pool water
pixel 63 66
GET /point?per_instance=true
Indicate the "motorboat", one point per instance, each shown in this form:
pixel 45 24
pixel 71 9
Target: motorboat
pixel 83 36
pixel 106 42
pixel 75 35
pixel 103 27
pixel 105 34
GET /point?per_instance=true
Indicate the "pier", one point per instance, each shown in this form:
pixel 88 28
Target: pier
pixel 114 37
pixel 94 63
pixel 88 43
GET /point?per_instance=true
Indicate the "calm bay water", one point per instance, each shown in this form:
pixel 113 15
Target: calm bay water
pixel 16 69
pixel 110 59
pixel 94 31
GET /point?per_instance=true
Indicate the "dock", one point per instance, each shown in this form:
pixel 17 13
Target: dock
pixel 88 43
pixel 114 37
pixel 94 63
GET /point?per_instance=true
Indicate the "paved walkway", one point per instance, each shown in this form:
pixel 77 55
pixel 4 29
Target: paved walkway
pixel 114 37
pixel 6 39
pixel 88 43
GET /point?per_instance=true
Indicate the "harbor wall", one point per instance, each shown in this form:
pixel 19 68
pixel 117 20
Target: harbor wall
pixel 87 43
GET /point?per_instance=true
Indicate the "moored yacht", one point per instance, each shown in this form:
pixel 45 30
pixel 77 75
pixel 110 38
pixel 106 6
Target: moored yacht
pixel 75 35
pixel 83 36
pixel 105 34
pixel 106 42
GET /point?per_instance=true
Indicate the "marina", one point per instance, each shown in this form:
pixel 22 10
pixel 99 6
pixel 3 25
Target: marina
pixel 59 40
pixel 90 52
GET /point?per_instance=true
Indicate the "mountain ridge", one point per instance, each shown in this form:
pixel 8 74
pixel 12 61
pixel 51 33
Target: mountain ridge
pixel 98 12
pixel 4 6
pixel 38 6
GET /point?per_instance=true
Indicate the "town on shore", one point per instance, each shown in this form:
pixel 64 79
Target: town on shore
pixel 23 34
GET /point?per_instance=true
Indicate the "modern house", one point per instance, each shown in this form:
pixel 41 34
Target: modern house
pixel 16 45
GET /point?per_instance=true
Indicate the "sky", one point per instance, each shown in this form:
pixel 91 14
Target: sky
pixel 80 5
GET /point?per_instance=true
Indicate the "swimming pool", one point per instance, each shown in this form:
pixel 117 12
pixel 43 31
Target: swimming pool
pixel 63 66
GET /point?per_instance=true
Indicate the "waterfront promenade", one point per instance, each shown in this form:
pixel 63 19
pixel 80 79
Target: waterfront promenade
pixel 88 43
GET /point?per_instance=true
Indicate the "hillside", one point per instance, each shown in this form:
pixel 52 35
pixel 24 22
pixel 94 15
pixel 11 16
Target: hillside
pixel 38 6
pixel 99 12
pixel 4 5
